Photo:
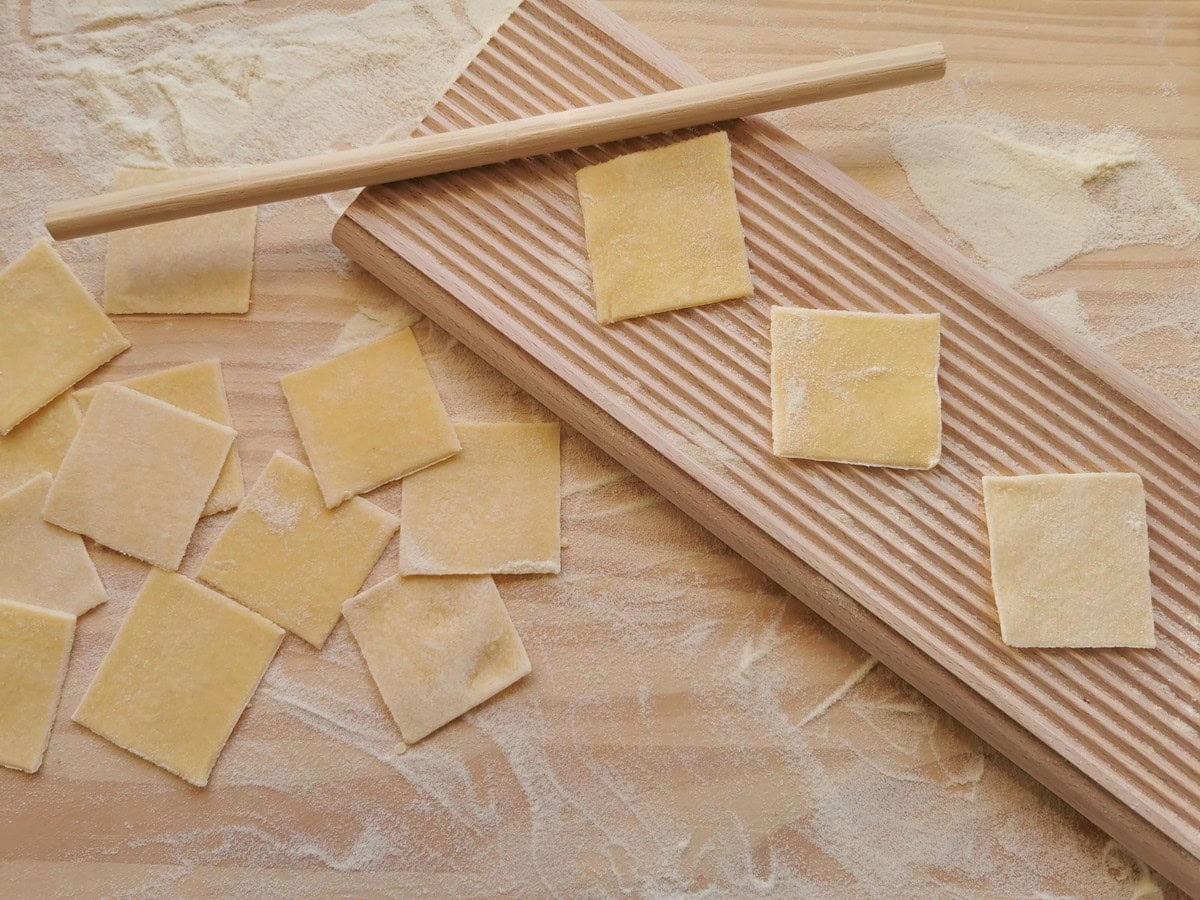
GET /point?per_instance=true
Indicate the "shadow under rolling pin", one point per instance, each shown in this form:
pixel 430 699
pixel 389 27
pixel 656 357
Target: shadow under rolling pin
pixel 434 154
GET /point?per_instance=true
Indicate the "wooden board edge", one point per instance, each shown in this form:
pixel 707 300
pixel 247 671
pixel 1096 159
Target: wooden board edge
pixel 1010 738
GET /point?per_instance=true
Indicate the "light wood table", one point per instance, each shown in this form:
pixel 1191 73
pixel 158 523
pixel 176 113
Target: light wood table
pixel 687 726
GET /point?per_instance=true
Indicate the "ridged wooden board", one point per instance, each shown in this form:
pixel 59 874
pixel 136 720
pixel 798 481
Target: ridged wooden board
pixel 496 255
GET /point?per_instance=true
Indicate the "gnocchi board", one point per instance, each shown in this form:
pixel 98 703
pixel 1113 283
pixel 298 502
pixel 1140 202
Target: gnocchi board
pixel 897 560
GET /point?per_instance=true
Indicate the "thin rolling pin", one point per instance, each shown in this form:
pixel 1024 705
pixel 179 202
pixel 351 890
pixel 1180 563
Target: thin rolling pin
pixel 431 155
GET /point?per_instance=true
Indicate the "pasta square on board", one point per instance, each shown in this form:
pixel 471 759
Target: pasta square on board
pixel 35 645
pixel 369 416
pixel 138 474
pixel 289 558
pixel 662 229
pixel 492 509
pixel 53 334
pixel 39 443
pixel 42 564
pixel 177 709
pixel 856 387
pixel 196 388
pixel 436 647
pixel 1070 559
pixel 198 265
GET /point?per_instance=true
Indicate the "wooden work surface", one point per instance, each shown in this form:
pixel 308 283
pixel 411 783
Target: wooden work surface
pixel 687 725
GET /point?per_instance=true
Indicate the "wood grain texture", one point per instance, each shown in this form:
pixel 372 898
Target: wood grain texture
pixel 1020 395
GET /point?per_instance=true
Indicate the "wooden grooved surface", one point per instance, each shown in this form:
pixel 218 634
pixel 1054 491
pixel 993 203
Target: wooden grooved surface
pixel 1019 395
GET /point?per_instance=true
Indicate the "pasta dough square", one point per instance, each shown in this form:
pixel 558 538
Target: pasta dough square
pixel 39 443
pixel 662 229
pixel 1070 559
pixel 856 387
pixel 436 647
pixel 35 645
pixel 493 508
pixel 369 416
pixel 181 670
pixel 197 388
pixel 138 475
pixel 197 265
pixel 53 334
pixel 286 556
pixel 41 564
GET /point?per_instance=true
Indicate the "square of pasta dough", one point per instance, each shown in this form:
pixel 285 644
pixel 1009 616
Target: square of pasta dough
pixel 41 564
pixel 178 675
pixel 369 416
pixel 35 645
pixel 197 388
pixel 197 265
pixel 1070 559
pixel 137 475
pixel 52 334
pixel 289 558
pixel 39 443
pixel 662 229
pixel 856 387
pixel 492 509
pixel 436 647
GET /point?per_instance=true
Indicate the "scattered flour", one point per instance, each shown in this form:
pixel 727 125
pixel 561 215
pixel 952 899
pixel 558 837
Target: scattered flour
pixel 854 678
pixel 278 513
pixel 371 324
pixel 154 84
pixel 232 94
pixel 1027 197
pixel 1159 338
pixel 1066 309
pixel 56 17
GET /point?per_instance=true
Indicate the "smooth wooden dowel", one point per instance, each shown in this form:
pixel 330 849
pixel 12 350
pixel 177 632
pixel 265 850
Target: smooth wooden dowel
pixel 683 108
